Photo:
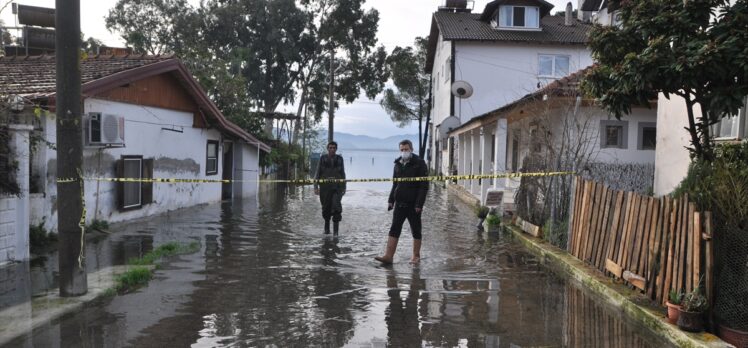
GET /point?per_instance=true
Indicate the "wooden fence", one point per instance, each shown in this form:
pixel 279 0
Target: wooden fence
pixel 655 244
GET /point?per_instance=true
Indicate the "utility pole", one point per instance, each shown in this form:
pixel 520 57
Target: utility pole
pixel 331 110
pixel 73 281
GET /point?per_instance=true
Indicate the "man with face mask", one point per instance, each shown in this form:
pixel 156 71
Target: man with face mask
pixel 406 198
pixel 331 167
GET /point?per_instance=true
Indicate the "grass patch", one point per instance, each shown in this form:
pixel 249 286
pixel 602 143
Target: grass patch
pixel 132 279
pixel 99 225
pixel 163 251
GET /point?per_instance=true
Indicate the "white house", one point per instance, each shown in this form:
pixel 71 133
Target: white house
pixel 144 117
pixel 509 50
pixel 620 152
pixel 672 157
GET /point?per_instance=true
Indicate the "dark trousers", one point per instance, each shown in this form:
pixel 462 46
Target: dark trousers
pixel 401 213
pixel 331 207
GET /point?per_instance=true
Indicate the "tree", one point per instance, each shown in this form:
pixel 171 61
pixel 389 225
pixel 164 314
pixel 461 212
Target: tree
pixel 91 45
pixel 410 100
pixel 346 34
pixel 695 50
pixel 148 25
pixel 5 37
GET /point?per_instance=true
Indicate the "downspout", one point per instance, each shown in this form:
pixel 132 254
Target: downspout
pixel 98 183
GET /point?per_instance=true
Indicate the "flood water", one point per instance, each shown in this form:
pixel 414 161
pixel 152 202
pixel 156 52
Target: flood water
pixel 267 276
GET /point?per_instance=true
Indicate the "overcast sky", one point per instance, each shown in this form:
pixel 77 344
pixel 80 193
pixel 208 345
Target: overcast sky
pixel 400 22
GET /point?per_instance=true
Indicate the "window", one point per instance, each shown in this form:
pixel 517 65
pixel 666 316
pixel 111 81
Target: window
pixel 211 163
pixel 553 65
pixel 733 127
pixel 614 134
pixel 647 136
pixel 519 17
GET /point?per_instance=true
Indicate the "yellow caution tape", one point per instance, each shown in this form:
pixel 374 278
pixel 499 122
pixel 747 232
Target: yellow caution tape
pixel 320 181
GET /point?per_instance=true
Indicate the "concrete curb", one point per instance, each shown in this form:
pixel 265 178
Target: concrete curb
pixel 24 318
pixel 633 304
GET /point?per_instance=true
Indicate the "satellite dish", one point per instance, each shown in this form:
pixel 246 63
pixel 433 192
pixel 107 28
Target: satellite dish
pixel 462 89
pixel 447 126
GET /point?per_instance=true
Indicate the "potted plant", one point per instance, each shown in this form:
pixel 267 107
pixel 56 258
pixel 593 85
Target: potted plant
pixel 692 307
pixel 674 305
pixel 493 222
pixel 481 211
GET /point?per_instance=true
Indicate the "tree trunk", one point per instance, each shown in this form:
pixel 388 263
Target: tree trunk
pixel 331 110
pixel 695 141
pixel 72 277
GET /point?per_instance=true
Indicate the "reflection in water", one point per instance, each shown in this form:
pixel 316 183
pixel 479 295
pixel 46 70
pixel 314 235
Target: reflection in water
pixel 267 276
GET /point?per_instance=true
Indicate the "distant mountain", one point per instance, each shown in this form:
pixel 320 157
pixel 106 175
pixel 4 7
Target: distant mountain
pixel 365 142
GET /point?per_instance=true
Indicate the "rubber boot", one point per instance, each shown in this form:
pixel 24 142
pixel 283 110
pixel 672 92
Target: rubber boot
pixel 335 225
pixel 389 253
pixel 416 251
pixel 327 226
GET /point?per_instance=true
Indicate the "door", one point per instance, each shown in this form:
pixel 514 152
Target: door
pixel 228 170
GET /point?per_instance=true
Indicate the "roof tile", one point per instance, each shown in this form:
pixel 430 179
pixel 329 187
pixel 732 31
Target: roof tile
pixel 468 27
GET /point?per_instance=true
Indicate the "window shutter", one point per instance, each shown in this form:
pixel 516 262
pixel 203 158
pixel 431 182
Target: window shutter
pixel 119 171
pixel 146 188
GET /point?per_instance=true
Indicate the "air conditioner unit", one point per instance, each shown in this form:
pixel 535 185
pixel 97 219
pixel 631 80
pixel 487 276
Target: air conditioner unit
pixel 105 130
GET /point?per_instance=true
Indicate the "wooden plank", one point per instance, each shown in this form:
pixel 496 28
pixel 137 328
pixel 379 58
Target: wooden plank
pixel 624 232
pixel 649 238
pixel 614 236
pixel 580 214
pixel 597 225
pixel 696 241
pixel 572 214
pixel 590 227
pixel 663 250
pixel 582 220
pixel 709 259
pixel 604 230
pixel 643 236
pixel 681 253
pixel 655 256
pixel 690 257
pixel 612 267
pixel 669 279
pixel 652 248
pixel 634 236
pixel 636 280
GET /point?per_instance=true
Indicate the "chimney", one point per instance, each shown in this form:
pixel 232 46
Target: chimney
pixel 456 6
pixel 569 18
pixel 584 15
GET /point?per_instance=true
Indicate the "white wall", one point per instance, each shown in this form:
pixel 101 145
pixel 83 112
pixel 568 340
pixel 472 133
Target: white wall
pixel 246 168
pixel 672 140
pixel 502 73
pixel 177 155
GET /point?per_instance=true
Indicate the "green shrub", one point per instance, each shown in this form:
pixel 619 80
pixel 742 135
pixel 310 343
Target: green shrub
pixel 163 251
pixel 39 238
pixel 675 297
pixel 134 277
pixel 481 211
pixel 493 220
pixel 694 302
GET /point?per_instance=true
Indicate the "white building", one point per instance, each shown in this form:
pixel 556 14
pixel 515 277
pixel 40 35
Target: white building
pixel 672 156
pixel 144 117
pixel 511 49
pixel 619 152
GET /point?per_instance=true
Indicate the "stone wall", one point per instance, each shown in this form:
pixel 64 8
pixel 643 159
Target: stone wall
pixel 7 229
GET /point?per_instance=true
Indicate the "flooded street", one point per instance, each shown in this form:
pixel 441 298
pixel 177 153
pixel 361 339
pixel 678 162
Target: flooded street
pixel 267 276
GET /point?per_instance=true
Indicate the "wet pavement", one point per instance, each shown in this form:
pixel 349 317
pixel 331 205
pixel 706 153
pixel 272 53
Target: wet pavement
pixel 267 276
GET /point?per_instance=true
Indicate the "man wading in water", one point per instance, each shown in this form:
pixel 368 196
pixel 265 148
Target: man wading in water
pixel 330 167
pixel 407 199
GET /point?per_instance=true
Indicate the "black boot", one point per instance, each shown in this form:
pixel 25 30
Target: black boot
pixel 327 226
pixel 335 226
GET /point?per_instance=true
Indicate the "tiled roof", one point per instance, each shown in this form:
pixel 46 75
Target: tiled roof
pixel 468 27
pixel 34 76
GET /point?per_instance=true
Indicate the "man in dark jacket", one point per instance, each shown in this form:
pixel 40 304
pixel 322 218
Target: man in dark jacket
pixel 331 167
pixel 406 198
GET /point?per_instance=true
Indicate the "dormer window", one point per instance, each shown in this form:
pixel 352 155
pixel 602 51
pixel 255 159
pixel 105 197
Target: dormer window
pixel 519 17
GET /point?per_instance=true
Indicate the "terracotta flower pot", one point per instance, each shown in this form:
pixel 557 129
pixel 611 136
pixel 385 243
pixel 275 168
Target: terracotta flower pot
pixel 735 337
pixel 673 310
pixel 690 321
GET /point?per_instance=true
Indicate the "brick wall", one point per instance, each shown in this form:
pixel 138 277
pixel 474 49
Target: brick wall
pixel 7 229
